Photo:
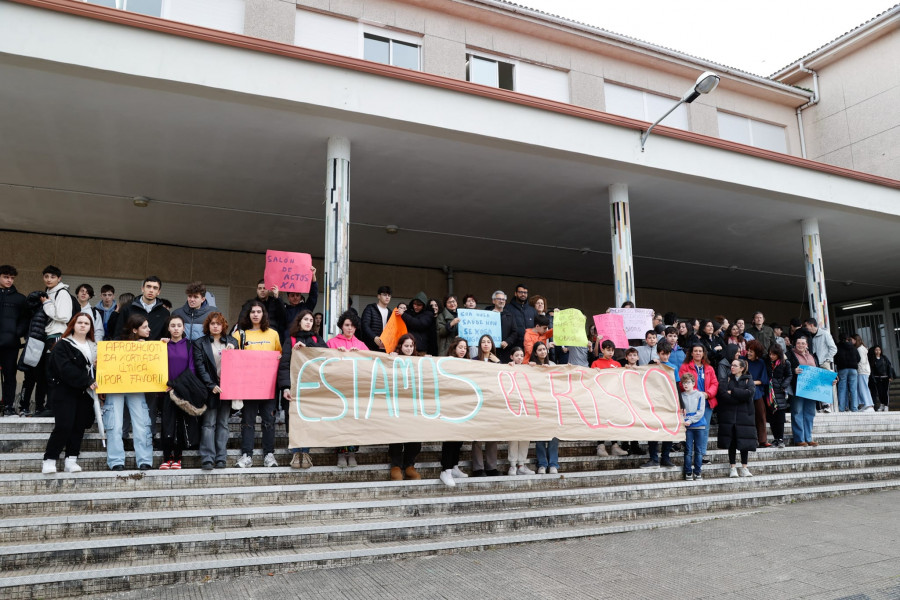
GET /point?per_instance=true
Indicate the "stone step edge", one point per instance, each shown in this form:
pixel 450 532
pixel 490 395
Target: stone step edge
pixel 471 499
pixel 36 499
pixel 369 551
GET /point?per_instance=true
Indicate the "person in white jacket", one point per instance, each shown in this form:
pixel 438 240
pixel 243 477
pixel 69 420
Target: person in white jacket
pixel 863 394
pixel 57 305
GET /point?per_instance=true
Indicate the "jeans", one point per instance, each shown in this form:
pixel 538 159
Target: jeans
pixel 214 433
pixel 113 412
pixel 803 411
pixel 847 390
pixel 547 453
pixel 704 436
pixel 693 450
pixel 863 394
pixel 666 449
pixel 266 409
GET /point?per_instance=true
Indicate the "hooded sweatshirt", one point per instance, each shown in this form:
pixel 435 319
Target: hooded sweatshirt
pixel 58 308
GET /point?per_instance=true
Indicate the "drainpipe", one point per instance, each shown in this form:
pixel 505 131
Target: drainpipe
pixel 814 100
pixel 449 272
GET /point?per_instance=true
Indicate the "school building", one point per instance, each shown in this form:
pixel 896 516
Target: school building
pixel 490 144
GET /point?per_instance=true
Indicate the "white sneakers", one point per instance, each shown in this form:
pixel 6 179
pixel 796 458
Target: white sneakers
pixel 351 459
pixel 542 470
pixel 733 472
pixel 245 461
pixel 523 470
pixel 456 473
pixel 269 460
pixel 745 472
pixel 553 471
pixel 342 461
pixel 869 409
pixel 71 465
pixel 616 450
pixel 512 470
pixel 447 477
pixel 48 467
pixel 601 449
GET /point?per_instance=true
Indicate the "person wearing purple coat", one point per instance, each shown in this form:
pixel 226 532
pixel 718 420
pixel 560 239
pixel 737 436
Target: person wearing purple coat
pixel 179 430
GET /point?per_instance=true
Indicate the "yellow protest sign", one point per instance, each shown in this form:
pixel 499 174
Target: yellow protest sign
pixel 568 328
pixel 125 367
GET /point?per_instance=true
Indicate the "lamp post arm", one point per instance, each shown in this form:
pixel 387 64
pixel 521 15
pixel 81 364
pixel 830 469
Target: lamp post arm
pixel 646 134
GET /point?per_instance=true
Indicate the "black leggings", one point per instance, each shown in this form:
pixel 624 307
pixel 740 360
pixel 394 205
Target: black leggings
pixel 776 422
pixel 404 455
pixel 68 430
pixel 732 454
pixel 450 454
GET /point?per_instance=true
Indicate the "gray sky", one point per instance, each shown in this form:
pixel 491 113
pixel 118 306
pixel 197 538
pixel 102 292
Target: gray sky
pixel 759 37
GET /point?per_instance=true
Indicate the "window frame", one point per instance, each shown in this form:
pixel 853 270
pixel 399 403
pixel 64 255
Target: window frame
pixel 749 122
pixel 392 37
pixel 645 93
pixel 472 53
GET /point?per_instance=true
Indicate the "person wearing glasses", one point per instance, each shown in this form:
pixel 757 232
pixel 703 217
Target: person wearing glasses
pixel 374 318
pixel 737 417
pixel 508 331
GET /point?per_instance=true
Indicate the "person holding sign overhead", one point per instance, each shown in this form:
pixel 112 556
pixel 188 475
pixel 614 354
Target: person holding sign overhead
pixel 254 333
pixel 138 328
pixel 71 373
pixel 300 335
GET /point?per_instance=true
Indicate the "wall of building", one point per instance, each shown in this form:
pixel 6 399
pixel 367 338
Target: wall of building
pixel 81 258
pixel 856 123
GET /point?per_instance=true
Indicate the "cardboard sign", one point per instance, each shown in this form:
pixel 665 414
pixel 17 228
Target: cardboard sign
pixel 568 328
pixel 394 329
pixel 475 323
pixel 132 367
pixel 249 374
pixel 638 321
pixel 611 327
pixel 816 384
pixel 290 271
pixel 343 398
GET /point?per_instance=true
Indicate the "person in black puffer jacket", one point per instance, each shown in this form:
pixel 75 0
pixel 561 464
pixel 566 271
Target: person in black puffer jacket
pixel 13 327
pixel 737 418
pixel 419 320
pixel 846 361
pixel 780 375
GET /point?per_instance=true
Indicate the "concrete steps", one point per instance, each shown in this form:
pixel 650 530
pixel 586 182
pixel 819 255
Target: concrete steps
pixel 100 531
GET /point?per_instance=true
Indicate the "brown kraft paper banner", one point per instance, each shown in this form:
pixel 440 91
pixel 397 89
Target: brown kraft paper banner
pixel 362 398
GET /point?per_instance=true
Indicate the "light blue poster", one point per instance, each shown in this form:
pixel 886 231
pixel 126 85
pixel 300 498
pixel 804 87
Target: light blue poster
pixel 475 323
pixel 815 383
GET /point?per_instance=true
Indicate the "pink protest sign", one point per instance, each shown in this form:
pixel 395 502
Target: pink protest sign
pixel 611 327
pixel 249 374
pixel 290 271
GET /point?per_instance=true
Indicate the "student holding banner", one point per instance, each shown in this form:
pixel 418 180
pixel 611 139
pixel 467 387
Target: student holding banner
pixel 450 450
pixel 254 333
pixel 208 363
pixel 71 373
pixel 403 455
pixel 803 410
pixel 300 335
pixel 346 341
pixel 138 328
pixel 486 351
pixel 179 430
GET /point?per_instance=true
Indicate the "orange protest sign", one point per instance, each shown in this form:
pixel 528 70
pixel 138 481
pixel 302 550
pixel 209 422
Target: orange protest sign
pixel 393 331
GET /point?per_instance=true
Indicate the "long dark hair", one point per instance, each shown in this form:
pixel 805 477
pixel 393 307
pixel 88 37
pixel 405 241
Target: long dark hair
pixel 245 322
pixel 134 323
pixel 403 338
pixel 481 355
pixel 534 356
pixel 689 357
pixel 296 330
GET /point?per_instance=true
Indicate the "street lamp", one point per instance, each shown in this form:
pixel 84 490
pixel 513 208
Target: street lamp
pixel 706 83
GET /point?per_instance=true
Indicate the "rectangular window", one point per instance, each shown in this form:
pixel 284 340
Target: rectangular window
pixel 390 51
pixel 144 7
pixel 488 71
pixel 326 33
pixel 543 82
pixel 751 132
pixel 224 15
pixel 644 106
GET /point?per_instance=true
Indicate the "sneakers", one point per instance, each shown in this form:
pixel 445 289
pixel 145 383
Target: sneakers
pixel 117 468
pixel 779 444
pixel 236 417
pixel 457 473
pixel 745 472
pixel 523 470
pixel 553 471
pixel 827 408
pixel 733 472
pixel 244 461
pixel 165 466
pixel 668 464
pixel 869 409
pixel 396 474
pixel 305 460
pixel 207 466
pixel 145 467
pixel 650 464
pixel 269 460
pixel 688 477
pixel 220 464
pixel 279 417
pixel 542 470
pixel 176 465
pixel 512 470
pixel 411 473
pixel 295 460
pixel 447 477
pixel 342 461
pixel 698 477
pixel 601 450
pixel 616 450
pixel 72 465
pixel 351 459
pixel 48 467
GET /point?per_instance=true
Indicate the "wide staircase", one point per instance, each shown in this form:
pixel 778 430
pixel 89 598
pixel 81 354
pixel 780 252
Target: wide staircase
pixel 100 531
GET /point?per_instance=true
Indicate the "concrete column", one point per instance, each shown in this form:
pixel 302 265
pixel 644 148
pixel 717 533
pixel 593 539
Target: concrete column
pixel 337 233
pixel 815 272
pixel 620 222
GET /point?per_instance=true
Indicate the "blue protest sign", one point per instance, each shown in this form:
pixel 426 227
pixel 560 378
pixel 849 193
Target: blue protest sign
pixel 475 323
pixel 815 384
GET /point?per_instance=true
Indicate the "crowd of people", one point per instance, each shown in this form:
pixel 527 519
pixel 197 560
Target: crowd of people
pixel 740 377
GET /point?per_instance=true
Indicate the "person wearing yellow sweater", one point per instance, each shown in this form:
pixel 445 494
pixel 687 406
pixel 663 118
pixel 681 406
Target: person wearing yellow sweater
pixel 254 333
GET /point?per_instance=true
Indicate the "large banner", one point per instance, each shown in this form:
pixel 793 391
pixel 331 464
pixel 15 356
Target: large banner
pixel 350 398
pixel 132 367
